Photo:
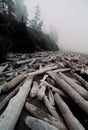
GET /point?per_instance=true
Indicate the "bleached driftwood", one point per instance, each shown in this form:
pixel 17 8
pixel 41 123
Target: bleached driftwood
pixel 54 89
pixel 82 103
pixel 10 116
pixel 82 81
pixel 42 89
pixel 37 124
pixel 13 83
pixel 62 70
pixel 75 86
pixel 34 90
pixel 2 68
pixel 51 97
pixel 70 119
pixel 36 112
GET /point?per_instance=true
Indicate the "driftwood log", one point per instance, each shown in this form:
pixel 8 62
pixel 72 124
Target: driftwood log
pixel 82 81
pixel 10 116
pixel 37 124
pixel 34 89
pixel 53 111
pixel 82 103
pixel 70 119
pixel 75 86
pixel 36 112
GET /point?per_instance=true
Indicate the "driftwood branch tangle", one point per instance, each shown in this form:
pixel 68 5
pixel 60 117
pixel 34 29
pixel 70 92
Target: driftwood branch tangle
pixel 10 116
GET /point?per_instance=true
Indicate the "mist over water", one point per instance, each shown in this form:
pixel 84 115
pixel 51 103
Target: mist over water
pixel 68 17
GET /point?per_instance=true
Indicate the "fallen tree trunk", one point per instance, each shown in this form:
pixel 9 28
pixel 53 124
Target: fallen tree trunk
pixel 2 68
pixel 82 81
pixel 37 124
pixel 43 116
pixel 13 83
pixel 6 100
pixel 34 90
pixel 70 119
pixel 62 70
pixel 53 111
pixel 82 103
pixel 75 86
pixel 10 116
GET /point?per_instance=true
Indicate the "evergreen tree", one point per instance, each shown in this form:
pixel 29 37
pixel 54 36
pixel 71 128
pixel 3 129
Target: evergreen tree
pixel 36 23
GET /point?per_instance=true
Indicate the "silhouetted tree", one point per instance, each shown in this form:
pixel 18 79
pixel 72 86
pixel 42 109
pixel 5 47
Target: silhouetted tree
pixel 20 10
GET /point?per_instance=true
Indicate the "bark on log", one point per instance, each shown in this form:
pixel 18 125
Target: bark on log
pixel 82 81
pixel 43 116
pixel 70 119
pixel 10 116
pixel 37 124
pixel 82 103
pixel 34 90
pixel 75 86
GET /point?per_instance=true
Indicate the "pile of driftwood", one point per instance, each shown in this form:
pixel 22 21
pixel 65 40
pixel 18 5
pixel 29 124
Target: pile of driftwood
pixel 53 78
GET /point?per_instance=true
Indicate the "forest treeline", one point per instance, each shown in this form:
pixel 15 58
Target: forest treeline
pixel 18 34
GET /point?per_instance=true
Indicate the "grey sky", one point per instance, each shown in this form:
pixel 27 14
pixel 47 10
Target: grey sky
pixel 68 17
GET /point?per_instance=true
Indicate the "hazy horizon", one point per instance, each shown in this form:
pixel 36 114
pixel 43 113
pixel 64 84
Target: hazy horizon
pixel 68 18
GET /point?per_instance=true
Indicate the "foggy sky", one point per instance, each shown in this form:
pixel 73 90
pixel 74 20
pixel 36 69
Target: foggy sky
pixel 68 17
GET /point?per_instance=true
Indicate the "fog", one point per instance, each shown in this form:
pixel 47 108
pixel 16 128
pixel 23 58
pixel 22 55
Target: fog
pixel 68 17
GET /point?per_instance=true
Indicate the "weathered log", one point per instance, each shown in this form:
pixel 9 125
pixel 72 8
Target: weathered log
pixel 51 108
pixel 82 81
pixel 54 89
pixel 37 124
pixel 75 86
pixel 70 119
pixel 2 68
pixel 43 116
pixel 62 70
pixel 6 100
pixel 82 103
pixel 34 90
pixel 50 81
pixel 51 97
pixel 42 89
pixel 43 70
pixel 13 83
pixel 10 116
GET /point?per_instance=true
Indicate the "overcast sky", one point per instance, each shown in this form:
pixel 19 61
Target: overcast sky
pixel 68 17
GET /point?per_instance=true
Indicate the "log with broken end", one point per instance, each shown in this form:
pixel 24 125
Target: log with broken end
pixel 70 119
pixel 34 89
pixel 10 116
pixel 37 124
pixel 51 96
pixel 13 83
pixel 80 101
pixel 36 112
pixel 75 86
pixel 42 89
